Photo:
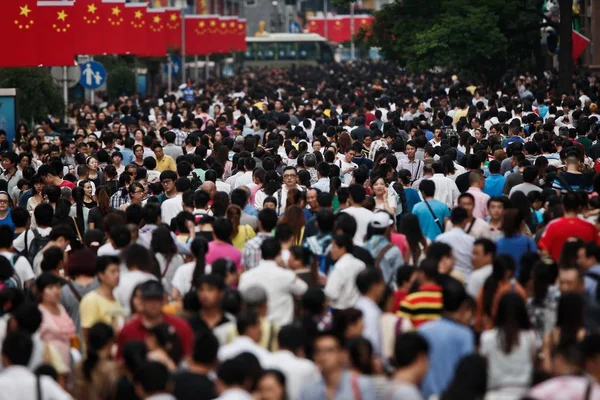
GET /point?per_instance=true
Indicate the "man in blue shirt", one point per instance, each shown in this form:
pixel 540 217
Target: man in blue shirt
pixel 448 338
pixel 494 182
pixel 330 359
pixel 432 214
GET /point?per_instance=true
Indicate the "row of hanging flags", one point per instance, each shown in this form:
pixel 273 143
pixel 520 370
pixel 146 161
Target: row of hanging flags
pixel 339 28
pixel 52 33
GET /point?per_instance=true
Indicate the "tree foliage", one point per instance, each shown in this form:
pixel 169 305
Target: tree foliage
pixel 479 39
pixel 122 81
pixel 38 95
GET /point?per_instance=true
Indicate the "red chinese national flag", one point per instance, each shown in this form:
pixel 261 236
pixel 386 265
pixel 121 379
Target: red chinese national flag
pixel 240 36
pixel 116 33
pixel 227 34
pixel 20 25
pixel 200 33
pixel 173 28
pixel 580 42
pixel 55 39
pixel 338 29
pixel 135 27
pixel 155 32
pixel 91 24
pixel 316 25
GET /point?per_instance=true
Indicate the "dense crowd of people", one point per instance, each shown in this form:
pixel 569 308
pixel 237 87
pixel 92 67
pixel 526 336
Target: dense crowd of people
pixel 340 232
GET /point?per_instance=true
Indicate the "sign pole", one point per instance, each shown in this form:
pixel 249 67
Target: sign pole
pixel 325 19
pixel 66 93
pixel 92 92
pixel 170 74
pixel 183 74
pixel 206 67
pixel 352 31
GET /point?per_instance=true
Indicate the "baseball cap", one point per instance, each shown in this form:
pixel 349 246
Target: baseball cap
pixel 152 290
pixel 381 220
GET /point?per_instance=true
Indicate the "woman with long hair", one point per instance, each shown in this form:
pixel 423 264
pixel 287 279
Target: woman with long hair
pixel 383 199
pixel 181 284
pixel 136 195
pixel 79 213
pixel 88 194
pixel 543 301
pixel 569 330
pixel 241 233
pixel 271 186
pixel 510 348
pixel 34 146
pixel 94 173
pixel 222 156
pixel 97 214
pixel 295 218
pixel 96 376
pixel 165 251
pixel 37 185
pixel 417 242
pixel 500 282
pixel 514 243
pixel 520 201
pixel 469 381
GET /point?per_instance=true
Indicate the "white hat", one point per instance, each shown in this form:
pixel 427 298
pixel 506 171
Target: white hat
pixel 381 220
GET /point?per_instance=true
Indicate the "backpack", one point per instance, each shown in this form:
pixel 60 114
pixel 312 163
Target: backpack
pixel 14 281
pixel 37 244
pixel 196 182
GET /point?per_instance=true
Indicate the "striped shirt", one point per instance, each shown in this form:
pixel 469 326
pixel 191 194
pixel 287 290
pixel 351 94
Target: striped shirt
pixel 423 305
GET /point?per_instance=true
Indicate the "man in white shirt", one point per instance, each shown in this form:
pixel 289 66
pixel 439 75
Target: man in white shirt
pixel 347 167
pixel 372 287
pixel 484 251
pixel 248 327
pixel 341 283
pixel 290 360
pixel 240 171
pixel 173 206
pixel 16 380
pixel 460 242
pixel 323 183
pixel 137 260
pixel 290 181
pixel 360 214
pixel 233 383
pixel 246 178
pixel 280 284
pixel 20 264
pixel 446 190
pixel 410 163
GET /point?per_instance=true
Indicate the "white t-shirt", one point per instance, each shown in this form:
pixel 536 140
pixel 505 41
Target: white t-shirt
pixel 346 178
pixel 19 243
pixel 362 217
pixel 170 208
pixel 21 266
pixel 182 280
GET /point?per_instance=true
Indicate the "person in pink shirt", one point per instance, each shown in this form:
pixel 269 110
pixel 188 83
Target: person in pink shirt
pixel 221 246
pixel 477 182
pixel 400 240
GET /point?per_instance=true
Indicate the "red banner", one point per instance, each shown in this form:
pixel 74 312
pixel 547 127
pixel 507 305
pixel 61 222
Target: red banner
pixel 580 42
pixel 55 38
pixel 173 28
pixel 240 36
pixel 201 34
pixel 20 21
pixel 135 28
pixel 338 27
pixel 118 24
pixel 155 32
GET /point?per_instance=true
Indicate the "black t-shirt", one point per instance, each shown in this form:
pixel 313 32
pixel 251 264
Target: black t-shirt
pixel 97 217
pixel 190 386
pixel 198 325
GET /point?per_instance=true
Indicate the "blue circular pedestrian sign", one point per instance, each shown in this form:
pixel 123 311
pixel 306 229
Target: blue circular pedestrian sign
pixel 93 75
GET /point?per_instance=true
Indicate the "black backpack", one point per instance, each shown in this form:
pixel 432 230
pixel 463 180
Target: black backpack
pixel 37 244
pixel 196 182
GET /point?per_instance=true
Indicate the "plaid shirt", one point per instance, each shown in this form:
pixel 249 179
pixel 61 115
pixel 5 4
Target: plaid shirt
pixel 116 200
pixel 251 255
pixel 179 137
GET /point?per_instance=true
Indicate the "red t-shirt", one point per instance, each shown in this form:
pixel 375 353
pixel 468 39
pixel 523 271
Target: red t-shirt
pixel 134 330
pixel 68 184
pixel 558 231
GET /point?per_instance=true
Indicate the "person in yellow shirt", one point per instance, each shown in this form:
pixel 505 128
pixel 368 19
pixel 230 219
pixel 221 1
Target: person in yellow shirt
pixel 163 161
pixel 100 305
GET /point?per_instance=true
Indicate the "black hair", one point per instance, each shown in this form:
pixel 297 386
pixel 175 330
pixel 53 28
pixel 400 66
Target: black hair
pixel 153 377
pixel 17 348
pixel 270 248
pixel 408 347
pixel 206 347
pixel 367 278
pixel 99 335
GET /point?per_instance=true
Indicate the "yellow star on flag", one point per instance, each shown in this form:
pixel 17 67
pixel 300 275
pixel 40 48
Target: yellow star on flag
pixel 25 10
pixel 62 15
pixel 116 11
pixel 138 14
pixel 173 17
pixel 92 8
pixel 157 19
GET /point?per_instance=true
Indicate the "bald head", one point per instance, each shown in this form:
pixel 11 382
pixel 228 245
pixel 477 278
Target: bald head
pixel 209 187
